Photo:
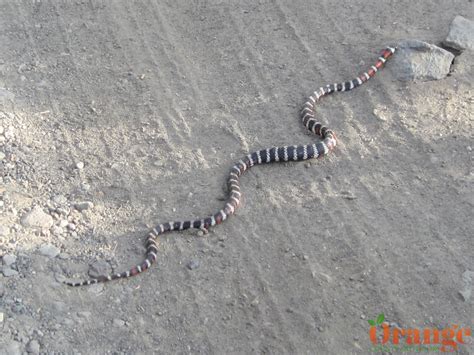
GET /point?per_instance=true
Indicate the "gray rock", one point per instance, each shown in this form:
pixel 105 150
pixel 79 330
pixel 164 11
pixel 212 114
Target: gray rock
pixel 100 268
pixel 33 347
pixel 84 205
pixel 49 250
pixel 2 155
pixel 80 165
pixel 37 218
pixel 8 259
pixel 7 272
pixel 417 60
pixel 193 264
pixel 461 34
pixel 11 348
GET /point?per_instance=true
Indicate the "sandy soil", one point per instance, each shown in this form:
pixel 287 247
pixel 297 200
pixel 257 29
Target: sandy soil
pixel 157 100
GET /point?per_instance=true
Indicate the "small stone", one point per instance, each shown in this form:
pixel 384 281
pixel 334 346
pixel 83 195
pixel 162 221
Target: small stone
pixel 193 264
pixel 4 231
pixel 461 34
pixel 80 165
pixel 2 155
pixel 11 348
pixel 37 218
pixel 8 259
pixel 33 347
pixel 348 195
pixel 82 206
pixel 71 226
pixel 100 268
pixel 7 272
pixel 63 223
pixel 305 257
pixel 417 60
pixel 2 316
pixel 49 250
pixel 56 230
pixel 59 199
pixel 118 322
pixel 465 294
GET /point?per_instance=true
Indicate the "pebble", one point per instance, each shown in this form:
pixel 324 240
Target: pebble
pixel 8 259
pixel 59 199
pixel 63 223
pixel 2 317
pixel 7 272
pixel 100 268
pixel 82 206
pixel 2 155
pixel 118 322
pixel 11 348
pixel 37 218
pixel 57 230
pixel 461 34
pixel 33 347
pixel 417 60
pixel 4 231
pixel 80 165
pixel 193 264
pixel 49 250
pixel 71 226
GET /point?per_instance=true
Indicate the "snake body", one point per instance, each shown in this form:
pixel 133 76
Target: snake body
pixel 276 154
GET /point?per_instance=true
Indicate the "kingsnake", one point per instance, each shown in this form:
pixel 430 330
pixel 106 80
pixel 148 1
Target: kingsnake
pixel 277 154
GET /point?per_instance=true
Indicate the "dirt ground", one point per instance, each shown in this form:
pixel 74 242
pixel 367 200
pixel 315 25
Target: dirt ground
pixel 142 107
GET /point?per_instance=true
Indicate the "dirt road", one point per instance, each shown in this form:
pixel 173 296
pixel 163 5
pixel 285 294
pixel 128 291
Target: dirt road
pixel 157 100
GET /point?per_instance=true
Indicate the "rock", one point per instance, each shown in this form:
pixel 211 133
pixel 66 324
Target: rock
pixel 2 317
pixel 193 264
pixel 4 231
pixel 56 230
pixel 417 60
pixel 8 259
pixel 2 155
pixel 33 347
pixel 80 165
pixel 11 348
pixel 461 34
pixel 118 322
pixel 82 206
pixel 465 294
pixel 100 268
pixel 49 250
pixel 37 218
pixel 6 95
pixel 59 200
pixel 7 272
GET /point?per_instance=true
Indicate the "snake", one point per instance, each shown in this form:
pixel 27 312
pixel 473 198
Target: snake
pixel 327 143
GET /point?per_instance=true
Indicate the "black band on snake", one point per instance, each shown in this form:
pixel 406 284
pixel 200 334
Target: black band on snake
pixel 276 154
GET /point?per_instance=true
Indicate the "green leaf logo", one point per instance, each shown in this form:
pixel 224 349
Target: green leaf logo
pixel 380 319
